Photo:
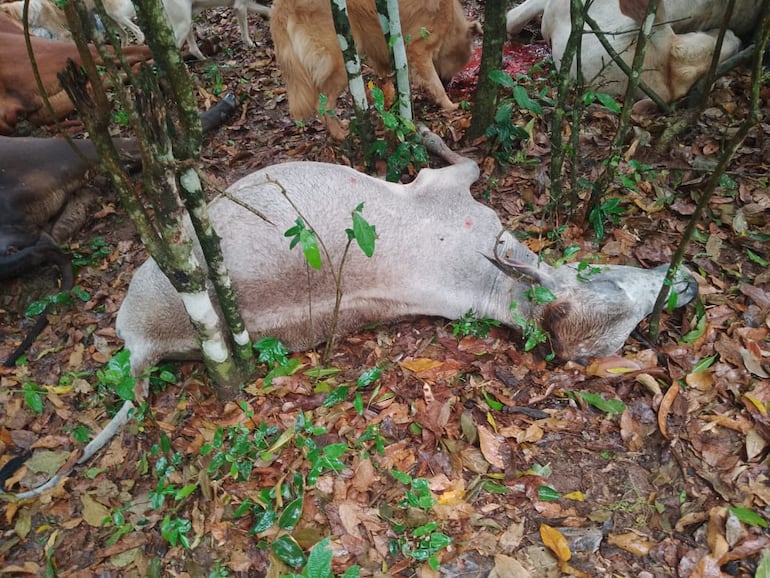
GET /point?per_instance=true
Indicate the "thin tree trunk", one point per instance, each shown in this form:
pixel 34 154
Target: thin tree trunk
pixel 572 53
pixel 761 40
pixel 485 98
pixel 608 174
pixel 397 48
pixel 169 138
pixel 361 124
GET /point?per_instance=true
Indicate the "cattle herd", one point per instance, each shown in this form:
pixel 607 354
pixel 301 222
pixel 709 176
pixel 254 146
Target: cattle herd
pixel 453 261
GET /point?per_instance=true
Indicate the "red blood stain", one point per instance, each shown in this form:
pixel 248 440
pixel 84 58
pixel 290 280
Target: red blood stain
pixel 468 222
pixel 517 59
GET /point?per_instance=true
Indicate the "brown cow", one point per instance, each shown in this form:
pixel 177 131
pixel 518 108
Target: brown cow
pixel 438 36
pixel 19 95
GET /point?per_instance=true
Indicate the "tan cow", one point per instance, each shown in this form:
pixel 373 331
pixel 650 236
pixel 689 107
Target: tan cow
pixel 438 36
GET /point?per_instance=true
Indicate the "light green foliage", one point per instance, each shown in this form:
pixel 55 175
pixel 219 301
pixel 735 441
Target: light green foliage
pixel 505 130
pixel 174 531
pixel 604 99
pixel 609 210
pixel 93 254
pixel 609 406
pixel 532 332
pixel 234 450
pixel 306 238
pixel 636 174
pixel 33 396
pixel 274 354
pixel 363 233
pixel 214 76
pixel 423 542
pixel 406 145
pixel 319 563
pixel 472 324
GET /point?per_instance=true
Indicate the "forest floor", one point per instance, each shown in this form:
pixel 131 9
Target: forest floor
pixel 649 464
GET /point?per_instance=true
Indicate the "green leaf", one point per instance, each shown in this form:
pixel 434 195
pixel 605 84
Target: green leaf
pixel 338 395
pixel 364 234
pixel 358 403
pixel 352 572
pixel 611 406
pixel 182 493
pixel 271 351
pixel 32 397
pixel 747 516
pixel 291 514
pixel 756 258
pixel 319 561
pixel 401 477
pixel 36 308
pixel 288 551
pixel 424 530
pixel 369 376
pixel 502 78
pixel 320 372
pixel 704 363
pixel 763 569
pixel 493 404
pixel 547 494
pixel 310 248
pixel 608 102
pixel 524 101
pixel 540 294
pixel 264 522
pixel 700 325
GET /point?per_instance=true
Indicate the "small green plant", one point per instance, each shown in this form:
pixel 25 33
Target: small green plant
pixel 33 396
pixel 586 270
pixel 213 74
pixel 319 564
pixel 533 334
pixel 305 237
pixel 406 145
pixel 635 174
pixel 174 531
pixel 120 118
pixel 122 527
pixel 274 354
pixel 602 98
pixel 609 210
pixel 508 133
pixel 471 324
pixel 93 254
pixel 423 542
pixel 235 450
pixel 303 234
pixel 63 298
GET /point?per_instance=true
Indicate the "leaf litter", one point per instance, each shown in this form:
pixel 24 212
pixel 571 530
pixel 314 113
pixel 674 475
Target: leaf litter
pixel 627 467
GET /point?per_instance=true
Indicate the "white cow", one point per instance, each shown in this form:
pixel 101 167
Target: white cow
pixel 674 61
pixel 437 253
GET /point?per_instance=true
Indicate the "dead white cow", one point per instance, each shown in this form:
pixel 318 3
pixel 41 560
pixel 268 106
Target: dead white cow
pixel 438 252
pixel 673 62
pixel 435 255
